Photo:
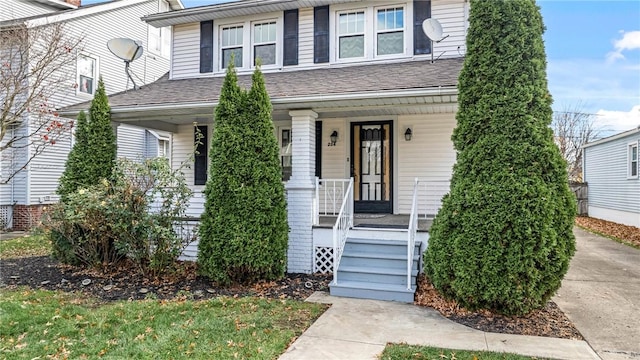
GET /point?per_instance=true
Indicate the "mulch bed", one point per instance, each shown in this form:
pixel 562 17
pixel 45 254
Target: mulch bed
pixel 125 283
pixel 624 233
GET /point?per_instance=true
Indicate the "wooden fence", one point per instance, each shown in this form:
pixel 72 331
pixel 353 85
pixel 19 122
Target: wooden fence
pixel 581 192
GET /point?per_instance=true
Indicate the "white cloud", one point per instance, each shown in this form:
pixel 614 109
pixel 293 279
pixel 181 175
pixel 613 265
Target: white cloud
pixel 613 122
pixel 630 41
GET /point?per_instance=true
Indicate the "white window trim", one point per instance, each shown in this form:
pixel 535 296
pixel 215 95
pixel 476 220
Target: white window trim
pixel 376 31
pixel 242 46
pixel 281 150
pixel 254 44
pixel 247 47
pixel 630 146
pixel 370 32
pixel 96 74
pixel 164 34
pixel 363 33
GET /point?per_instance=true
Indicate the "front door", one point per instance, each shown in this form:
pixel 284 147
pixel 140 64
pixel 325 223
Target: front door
pixel 371 166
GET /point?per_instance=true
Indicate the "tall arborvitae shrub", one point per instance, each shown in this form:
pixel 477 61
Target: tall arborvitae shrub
pixel 503 238
pixel 243 234
pixel 94 152
pixel 91 160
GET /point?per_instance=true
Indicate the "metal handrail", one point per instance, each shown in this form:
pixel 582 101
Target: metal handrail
pixel 413 229
pixel 344 222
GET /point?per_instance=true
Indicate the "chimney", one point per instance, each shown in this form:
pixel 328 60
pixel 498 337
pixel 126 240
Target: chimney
pixel 73 2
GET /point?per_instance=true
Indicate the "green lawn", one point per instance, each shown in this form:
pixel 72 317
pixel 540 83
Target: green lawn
pixel 33 245
pixel 402 351
pixel 45 324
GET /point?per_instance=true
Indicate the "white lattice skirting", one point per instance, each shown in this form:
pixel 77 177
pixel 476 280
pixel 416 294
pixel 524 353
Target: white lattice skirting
pixel 323 261
pixel 6 213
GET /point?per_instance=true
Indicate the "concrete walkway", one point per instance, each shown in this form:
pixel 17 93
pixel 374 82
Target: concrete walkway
pixel 601 296
pixel 360 329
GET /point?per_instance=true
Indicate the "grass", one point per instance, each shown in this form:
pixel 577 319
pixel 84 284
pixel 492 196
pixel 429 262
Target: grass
pixel 44 324
pixel 32 245
pixel 403 351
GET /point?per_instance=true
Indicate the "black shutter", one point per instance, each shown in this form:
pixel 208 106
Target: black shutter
pixel 206 46
pixel 200 157
pixel 321 34
pixel 290 52
pixel 319 149
pixel 421 12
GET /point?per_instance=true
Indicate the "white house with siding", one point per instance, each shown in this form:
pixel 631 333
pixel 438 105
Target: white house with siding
pixel 23 198
pixel 359 109
pixel 611 167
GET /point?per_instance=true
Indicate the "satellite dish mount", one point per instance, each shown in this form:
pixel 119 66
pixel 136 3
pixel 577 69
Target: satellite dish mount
pixel 433 30
pixel 127 50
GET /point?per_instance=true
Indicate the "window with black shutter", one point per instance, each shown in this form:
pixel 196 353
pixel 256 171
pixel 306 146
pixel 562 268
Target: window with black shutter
pixel 421 12
pixel 321 34
pixel 290 38
pixel 206 46
pixel 200 159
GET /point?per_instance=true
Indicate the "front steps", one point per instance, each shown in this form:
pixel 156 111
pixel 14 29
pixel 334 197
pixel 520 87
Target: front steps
pixel 376 269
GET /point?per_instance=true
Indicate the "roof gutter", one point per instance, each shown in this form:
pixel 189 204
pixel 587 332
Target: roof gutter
pixel 446 90
pixel 613 137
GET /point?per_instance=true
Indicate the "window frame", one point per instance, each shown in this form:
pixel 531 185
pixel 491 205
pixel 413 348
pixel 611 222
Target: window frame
pixel 247 23
pixel 362 33
pixel 377 31
pixel 630 161
pixel 285 152
pixel 234 46
pixel 370 31
pixel 254 43
pixel 162 35
pixel 96 66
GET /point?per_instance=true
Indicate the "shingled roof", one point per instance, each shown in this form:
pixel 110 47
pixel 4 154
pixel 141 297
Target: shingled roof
pixel 332 81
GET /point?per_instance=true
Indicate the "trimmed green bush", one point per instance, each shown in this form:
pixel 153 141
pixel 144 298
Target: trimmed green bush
pixel 244 231
pixel 503 238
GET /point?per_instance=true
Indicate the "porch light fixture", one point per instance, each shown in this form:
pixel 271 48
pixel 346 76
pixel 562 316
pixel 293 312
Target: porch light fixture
pixel 334 138
pixel 408 134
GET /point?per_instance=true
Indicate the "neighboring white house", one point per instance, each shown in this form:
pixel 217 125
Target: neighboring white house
pixel 23 198
pixel 354 94
pixel 611 170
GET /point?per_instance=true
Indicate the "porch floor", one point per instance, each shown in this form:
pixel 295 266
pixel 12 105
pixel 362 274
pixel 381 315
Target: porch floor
pixel 397 221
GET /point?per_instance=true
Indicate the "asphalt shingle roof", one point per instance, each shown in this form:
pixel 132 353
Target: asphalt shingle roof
pixel 359 79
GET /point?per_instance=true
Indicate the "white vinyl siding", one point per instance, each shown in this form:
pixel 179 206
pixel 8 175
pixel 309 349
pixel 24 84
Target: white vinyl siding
pixel 606 170
pixel 159 39
pixel 334 165
pixel 453 16
pixel 97 29
pixel 183 143
pixel 305 36
pixel 17 9
pixel 428 156
pixel 185 61
pixel 131 142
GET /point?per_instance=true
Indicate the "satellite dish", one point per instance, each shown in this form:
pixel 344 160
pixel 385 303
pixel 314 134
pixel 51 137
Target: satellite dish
pixel 125 49
pixel 432 29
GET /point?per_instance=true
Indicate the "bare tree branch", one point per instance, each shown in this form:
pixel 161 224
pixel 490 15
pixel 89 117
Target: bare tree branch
pixel 35 66
pixel 572 128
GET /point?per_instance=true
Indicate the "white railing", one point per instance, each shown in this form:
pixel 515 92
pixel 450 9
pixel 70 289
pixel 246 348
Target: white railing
pixel 413 229
pixel 330 194
pixel 344 222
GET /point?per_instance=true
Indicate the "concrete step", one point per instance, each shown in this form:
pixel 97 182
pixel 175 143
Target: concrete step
pixel 376 291
pixel 379 246
pixel 376 275
pixel 375 259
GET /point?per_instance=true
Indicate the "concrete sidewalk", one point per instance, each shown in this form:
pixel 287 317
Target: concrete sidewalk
pixel 360 329
pixel 601 295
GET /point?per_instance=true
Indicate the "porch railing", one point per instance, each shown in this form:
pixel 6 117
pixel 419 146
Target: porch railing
pixel 413 229
pixel 330 195
pixel 344 222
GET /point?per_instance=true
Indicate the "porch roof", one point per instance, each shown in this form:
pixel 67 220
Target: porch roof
pixel 288 90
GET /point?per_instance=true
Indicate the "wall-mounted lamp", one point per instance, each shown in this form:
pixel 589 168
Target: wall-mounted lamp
pixel 408 134
pixel 334 138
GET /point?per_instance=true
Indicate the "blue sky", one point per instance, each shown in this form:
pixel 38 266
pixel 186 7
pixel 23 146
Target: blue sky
pixel 593 55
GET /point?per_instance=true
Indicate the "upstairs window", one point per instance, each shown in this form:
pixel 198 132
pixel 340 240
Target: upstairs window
pixel 264 43
pixel 390 31
pixel 633 160
pixel 232 41
pixel 159 39
pixel 87 74
pixel 351 34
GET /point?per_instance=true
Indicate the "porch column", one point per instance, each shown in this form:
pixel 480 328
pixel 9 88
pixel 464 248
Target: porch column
pixel 301 191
